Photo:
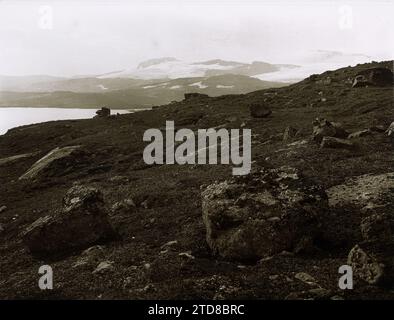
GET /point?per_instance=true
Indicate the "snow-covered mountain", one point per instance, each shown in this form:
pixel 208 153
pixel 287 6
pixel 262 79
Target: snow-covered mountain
pixel 172 68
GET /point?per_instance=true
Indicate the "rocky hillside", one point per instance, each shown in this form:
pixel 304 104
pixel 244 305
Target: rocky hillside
pixel 77 195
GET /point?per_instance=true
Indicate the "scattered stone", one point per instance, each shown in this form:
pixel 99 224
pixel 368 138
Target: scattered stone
pixel 104 267
pixel 306 278
pixel 1 227
pixel 359 134
pixel 237 213
pixel 331 142
pixel 324 128
pixel 46 161
pixel 103 113
pixel 124 206
pixel 390 129
pixel 372 263
pixel 186 255
pixel 80 223
pixel 147 266
pixel 258 110
pixel 289 133
pixel 3 208
pixel 169 244
pixel 119 179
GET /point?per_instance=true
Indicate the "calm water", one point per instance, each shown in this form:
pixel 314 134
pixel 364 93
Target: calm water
pixel 15 117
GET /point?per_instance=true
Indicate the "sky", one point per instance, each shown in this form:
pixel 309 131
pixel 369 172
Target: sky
pixel 66 38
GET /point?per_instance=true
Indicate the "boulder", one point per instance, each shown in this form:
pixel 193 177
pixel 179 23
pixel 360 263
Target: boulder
pixel 324 128
pixel 103 113
pixel 331 142
pixel 195 95
pixel 80 223
pixel 371 199
pixel 258 110
pixel 373 264
pixel 45 162
pixel 263 213
pixel 373 77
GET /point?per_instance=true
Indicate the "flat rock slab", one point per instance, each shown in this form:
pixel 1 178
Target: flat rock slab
pixel 365 190
pixel 43 163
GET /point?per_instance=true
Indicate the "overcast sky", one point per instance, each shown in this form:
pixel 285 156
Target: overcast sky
pixel 69 38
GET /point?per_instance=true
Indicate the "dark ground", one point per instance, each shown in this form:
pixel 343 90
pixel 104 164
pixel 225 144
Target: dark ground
pixel 168 196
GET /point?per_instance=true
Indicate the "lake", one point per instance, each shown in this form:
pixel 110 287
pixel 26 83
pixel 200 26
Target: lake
pixel 15 117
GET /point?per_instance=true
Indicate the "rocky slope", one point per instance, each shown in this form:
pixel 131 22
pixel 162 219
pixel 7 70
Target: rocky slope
pixel 319 197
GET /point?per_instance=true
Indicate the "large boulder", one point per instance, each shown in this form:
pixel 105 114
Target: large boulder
pixel 324 128
pixel 56 155
pixel 258 110
pixel 373 77
pixel 263 213
pixel 80 223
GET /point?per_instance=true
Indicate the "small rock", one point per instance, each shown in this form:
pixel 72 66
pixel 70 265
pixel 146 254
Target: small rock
pixel 372 263
pixel 359 134
pixel 119 179
pixel 104 267
pixel 169 244
pixel 324 128
pixel 306 278
pixel 1 227
pixel 125 206
pixel 331 142
pixel 289 133
pixel 390 129
pixel 186 255
pixel 3 208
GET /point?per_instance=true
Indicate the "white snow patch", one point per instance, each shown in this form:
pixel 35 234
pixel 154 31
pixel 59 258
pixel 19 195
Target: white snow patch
pixel 102 87
pixel 220 86
pixel 175 87
pixel 198 84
